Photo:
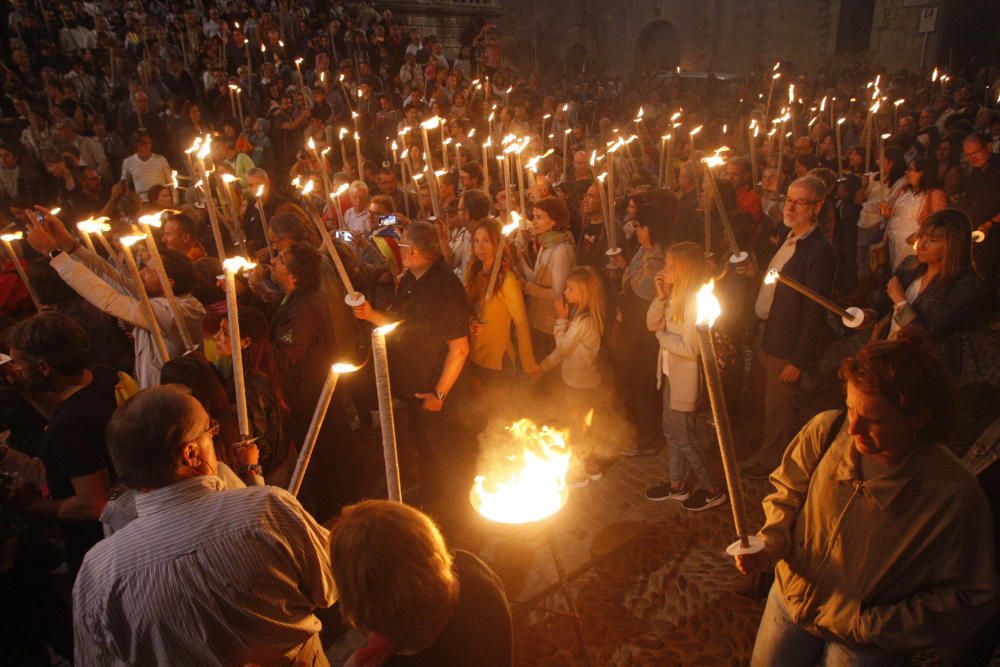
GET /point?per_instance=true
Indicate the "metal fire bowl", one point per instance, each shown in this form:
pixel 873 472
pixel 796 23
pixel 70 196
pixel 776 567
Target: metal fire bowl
pixel 528 530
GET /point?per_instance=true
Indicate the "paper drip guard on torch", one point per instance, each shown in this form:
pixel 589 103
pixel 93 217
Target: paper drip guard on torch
pixel 312 434
pixel 852 317
pixel 7 243
pixel 708 311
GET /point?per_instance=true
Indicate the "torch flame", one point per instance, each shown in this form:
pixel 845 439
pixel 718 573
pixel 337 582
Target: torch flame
pixel 341 190
pixel 94 225
pixel 12 236
pixel 341 368
pixel 530 485
pixel 340 135
pixel 771 277
pixel 431 123
pixel 129 241
pixel 387 328
pixel 228 178
pixel 708 306
pixel 153 219
pixel 236 264
pixel 589 419
pixel 311 144
pixel 260 191
pixel 308 187
pixel 695 130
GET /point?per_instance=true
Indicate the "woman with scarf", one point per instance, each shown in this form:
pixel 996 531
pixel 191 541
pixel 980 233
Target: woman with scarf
pixel 545 281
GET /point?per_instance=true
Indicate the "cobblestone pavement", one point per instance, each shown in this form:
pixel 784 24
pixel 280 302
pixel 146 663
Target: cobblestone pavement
pixel 651 581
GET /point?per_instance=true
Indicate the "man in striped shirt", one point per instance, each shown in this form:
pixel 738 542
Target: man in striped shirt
pixel 204 575
pixel 145 167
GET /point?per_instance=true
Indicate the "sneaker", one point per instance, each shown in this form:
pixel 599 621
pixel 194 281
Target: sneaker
pixel 665 492
pixel 640 451
pixel 757 471
pixel 700 500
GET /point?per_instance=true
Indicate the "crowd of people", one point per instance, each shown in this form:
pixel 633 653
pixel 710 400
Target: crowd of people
pixel 531 237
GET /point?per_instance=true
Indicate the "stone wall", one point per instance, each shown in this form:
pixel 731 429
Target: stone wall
pixel 445 18
pixel 724 35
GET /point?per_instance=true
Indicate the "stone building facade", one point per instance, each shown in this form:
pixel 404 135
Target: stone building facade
pixel 619 37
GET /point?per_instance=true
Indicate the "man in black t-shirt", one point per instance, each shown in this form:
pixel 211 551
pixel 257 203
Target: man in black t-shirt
pixel 428 353
pixel 50 355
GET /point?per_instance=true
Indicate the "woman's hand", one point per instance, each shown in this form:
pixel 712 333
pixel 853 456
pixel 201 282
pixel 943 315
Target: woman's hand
pixel 661 286
pixel 762 561
pixel 364 311
pixel 895 290
pixel 561 308
pixel 884 210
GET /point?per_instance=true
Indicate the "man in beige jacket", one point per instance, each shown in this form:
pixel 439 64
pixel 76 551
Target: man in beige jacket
pixel 882 540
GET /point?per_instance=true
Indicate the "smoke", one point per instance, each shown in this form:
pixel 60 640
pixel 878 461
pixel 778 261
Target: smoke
pixel 604 439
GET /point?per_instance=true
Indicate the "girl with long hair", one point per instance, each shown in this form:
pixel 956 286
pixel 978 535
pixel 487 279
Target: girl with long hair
pixel 671 317
pixel 491 343
pixel 265 398
pixel 578 331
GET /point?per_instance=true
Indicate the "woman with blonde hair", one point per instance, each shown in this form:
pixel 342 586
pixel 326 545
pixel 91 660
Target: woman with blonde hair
pixel 421 604
pixel 491 343
pixel 672 317
pixel 579 329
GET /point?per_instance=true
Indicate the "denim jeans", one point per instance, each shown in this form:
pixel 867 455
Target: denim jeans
pixel 683 446
pixel 781 642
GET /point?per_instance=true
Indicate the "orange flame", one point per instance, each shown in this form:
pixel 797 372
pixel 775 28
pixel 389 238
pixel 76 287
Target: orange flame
pixel 530 485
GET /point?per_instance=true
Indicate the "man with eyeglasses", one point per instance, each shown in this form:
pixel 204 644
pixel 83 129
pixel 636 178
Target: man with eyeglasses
pixel 982 204
pixel 203 575
pixel 790 325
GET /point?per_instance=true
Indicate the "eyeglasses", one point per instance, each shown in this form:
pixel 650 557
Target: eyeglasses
pixel 982 149
pixel 212 430
pixel 799 202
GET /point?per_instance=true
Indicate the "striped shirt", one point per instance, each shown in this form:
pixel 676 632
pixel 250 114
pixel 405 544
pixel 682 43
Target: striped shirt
pixel 146 173
pixel 205 576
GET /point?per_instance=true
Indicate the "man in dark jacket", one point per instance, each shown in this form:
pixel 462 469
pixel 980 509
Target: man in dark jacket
pixel 791 324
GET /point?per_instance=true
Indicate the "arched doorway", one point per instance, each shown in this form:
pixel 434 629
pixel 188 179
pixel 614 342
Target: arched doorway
pixel 658 48
pixel 576 61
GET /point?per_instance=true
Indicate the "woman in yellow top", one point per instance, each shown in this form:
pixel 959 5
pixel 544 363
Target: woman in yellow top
pixel 491 331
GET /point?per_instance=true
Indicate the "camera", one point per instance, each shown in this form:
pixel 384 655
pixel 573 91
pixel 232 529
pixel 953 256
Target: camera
pixel 343 236
pixel 387 220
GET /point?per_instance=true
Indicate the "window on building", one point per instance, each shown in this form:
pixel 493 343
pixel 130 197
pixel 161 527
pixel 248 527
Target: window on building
pixel 854 31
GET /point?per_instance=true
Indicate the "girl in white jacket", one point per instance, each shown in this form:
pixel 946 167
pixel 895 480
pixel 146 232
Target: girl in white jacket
pixel 578 330
pixel 672 316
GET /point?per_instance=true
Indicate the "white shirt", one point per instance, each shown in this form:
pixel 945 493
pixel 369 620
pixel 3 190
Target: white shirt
pixel 766 295
pixel 911 294
pixel 204 576
pixel 98 282
pixel 357 222
pixel 146 173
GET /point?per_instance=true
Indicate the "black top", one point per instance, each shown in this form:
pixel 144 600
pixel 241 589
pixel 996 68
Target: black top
pixel 479 630
pixel 982 191
pixel 795 324
pixel 304 350
pixel 432 310
pixel 74 446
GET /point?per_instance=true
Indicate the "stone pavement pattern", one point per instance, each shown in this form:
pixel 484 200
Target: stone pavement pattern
pixel 651 581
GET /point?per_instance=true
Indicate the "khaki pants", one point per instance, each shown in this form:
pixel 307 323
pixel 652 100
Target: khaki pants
pixel 780 404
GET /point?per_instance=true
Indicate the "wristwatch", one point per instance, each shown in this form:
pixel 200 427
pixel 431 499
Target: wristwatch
pixel 247 469
pixel 55 253
pixel 440 395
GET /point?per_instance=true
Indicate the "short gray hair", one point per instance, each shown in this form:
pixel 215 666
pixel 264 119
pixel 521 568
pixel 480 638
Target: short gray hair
pixel 423 237
pixel 814 184
pixel 147 433
pixel 359 185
